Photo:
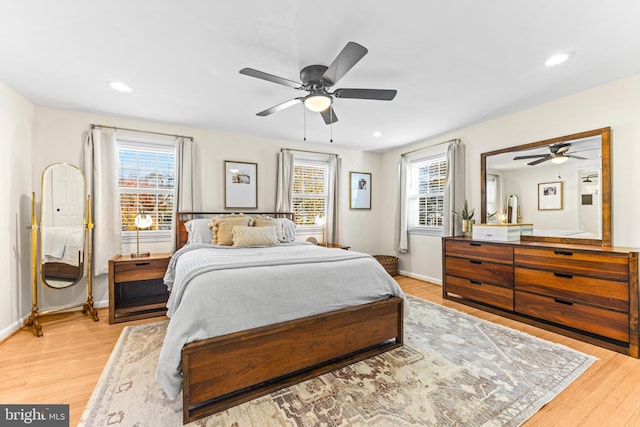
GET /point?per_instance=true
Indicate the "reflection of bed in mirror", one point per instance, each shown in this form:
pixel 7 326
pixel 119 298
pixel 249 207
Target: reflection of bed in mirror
pixel 62 251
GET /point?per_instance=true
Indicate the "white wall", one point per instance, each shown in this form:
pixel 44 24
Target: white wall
pixel 616 105
pixel 16 119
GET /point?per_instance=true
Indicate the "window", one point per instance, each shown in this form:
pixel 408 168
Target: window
pixel 309 190
pixel 425 194
pixel 146 180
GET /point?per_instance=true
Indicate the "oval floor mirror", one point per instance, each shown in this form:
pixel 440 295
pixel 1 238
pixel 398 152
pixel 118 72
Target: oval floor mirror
pixel 65 237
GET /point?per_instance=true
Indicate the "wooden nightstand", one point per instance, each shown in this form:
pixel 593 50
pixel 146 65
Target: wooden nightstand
pixel 136 288
pixel 335 245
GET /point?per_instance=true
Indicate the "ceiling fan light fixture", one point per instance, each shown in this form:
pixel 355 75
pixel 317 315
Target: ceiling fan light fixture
pixel 317 102
pixel 560 158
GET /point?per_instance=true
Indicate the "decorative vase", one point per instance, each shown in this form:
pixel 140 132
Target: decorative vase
pixel 467 225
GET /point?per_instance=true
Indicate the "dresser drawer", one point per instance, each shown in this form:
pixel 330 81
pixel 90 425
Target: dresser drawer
pixel 481 271
pixel 604 293
pixel 480 251
pixel 608 266
pixel 482 292
pixel 599 321
pixel 140 269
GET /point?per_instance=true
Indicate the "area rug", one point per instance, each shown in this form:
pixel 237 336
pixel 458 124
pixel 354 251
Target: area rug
pixel 454 370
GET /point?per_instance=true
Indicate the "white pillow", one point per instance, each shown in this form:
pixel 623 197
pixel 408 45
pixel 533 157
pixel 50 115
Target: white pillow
pixel 288 230
pixel 245 236
pixel 198 230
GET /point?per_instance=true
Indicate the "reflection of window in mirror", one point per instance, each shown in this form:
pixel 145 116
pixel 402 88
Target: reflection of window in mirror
pixel 493 197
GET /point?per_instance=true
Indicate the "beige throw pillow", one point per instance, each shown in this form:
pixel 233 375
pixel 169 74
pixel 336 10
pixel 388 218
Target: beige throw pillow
pixel 222 228
pixel 244 236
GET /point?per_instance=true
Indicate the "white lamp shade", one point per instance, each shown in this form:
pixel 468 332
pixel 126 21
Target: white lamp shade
pixel 319 219
pixel 559 159
pixel 144 220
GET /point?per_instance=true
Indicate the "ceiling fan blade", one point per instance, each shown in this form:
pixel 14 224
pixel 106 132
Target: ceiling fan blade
pixel 376 94
pixel 537 162
pixel 532 156
pixel 279 107
pixel 576 157
pixel 350 55
pixel 270 78
pixel 329 115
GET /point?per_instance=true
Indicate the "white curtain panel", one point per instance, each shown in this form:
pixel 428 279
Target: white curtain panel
pixel 284 187
pixel 401 211
pixel 332 229
pixel 184 200
pixel 454 189
pixel 100 164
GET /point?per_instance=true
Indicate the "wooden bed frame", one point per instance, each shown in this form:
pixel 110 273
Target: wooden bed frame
pixel 224 371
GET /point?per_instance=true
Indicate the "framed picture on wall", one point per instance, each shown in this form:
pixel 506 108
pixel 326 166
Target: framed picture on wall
pixel 550 196
pixel 240 185
pixel 360 190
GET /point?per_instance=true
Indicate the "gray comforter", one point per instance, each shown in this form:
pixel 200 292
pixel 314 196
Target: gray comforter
pixel 219 290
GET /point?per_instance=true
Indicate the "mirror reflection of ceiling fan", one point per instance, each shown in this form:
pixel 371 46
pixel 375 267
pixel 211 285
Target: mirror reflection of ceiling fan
pixel 559 153
pixel 317 79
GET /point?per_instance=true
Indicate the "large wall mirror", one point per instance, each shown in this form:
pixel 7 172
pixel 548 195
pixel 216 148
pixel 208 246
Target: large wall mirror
pixel 562 186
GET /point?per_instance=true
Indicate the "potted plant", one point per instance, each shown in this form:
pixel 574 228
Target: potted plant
pixel 467 217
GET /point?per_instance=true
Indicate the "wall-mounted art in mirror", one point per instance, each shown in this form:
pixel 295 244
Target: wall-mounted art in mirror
pixel 577 167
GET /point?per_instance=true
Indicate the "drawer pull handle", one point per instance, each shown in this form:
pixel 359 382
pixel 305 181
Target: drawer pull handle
pixel 566 276
pixel 142 264
pixel 566 253
pixel 475 282
pixel 473 261
pixel 560 301
pixel 475 244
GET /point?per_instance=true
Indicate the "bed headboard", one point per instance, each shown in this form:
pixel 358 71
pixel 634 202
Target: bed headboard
pixel 182 217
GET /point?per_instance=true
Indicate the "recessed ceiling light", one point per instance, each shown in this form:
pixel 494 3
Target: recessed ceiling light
pixel 120 87
pixel 558 58
pixel 377 133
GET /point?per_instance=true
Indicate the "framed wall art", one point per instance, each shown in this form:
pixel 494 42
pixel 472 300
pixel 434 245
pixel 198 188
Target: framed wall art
pixel 360 190
pixel 550 196
pixel 240 185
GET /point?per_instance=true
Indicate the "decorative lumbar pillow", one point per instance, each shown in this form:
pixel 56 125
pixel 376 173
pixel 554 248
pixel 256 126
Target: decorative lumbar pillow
pixel 244 236
pixel 222 228
pixel 263 221
pixel 198 230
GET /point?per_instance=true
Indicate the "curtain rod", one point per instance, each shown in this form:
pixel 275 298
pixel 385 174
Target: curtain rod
pixel 434 145
pixel 94 126
pixel 308 151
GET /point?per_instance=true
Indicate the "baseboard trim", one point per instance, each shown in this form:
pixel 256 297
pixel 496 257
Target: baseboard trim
pixel 435 280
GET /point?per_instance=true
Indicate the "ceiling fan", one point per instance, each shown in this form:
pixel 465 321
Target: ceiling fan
pixel 318 79
pixel 559 153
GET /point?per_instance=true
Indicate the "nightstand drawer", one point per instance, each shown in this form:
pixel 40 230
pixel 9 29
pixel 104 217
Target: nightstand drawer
pixel 140 269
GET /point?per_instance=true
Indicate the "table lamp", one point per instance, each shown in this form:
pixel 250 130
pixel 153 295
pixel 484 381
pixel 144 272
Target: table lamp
pixel 143 220
pixel 320 220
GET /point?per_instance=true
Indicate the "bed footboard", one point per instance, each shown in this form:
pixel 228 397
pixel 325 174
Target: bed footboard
pixel 224 371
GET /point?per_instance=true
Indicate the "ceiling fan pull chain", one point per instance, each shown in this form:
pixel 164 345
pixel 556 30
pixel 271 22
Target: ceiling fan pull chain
pixel 331 126
pixel 304 121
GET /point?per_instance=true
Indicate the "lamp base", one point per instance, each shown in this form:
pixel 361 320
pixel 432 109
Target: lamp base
pixel 140 255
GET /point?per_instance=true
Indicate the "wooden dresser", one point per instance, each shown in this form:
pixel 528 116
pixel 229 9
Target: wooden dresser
pixel 586 292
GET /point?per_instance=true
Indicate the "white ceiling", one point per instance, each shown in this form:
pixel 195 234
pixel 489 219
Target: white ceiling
pixel 454 63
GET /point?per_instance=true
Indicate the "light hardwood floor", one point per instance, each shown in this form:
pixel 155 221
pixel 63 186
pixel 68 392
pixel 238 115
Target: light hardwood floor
pixel 65 364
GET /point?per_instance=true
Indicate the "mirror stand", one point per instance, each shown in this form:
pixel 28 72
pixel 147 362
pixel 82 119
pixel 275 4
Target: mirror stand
pixel 33 320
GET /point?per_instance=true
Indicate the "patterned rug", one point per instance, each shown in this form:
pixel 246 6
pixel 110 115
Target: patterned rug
pixel 454 370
